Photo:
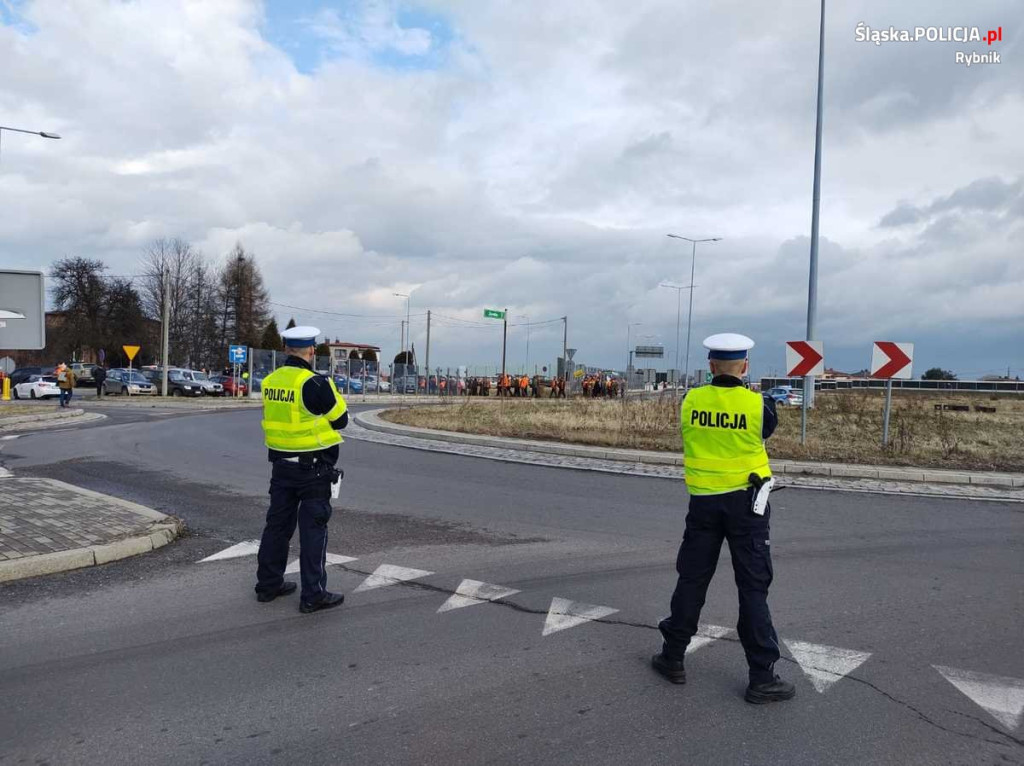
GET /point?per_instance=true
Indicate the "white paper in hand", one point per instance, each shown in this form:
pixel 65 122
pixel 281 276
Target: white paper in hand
pixel 761 499
pixel 336 488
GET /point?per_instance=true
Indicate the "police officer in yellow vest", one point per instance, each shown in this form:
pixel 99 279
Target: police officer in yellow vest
pixel 302 413
pixel 724 427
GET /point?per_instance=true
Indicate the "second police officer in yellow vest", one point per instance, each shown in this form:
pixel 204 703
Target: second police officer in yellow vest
pixel 302 413
pixel 724 427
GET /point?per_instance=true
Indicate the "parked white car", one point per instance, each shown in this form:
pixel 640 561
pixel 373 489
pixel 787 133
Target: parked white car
pixel 210 388
pixel 37 387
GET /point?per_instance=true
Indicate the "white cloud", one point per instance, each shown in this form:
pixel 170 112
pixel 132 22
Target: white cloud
pixel 537 163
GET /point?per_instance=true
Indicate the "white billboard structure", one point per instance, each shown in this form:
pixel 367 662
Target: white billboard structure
pixel 22 310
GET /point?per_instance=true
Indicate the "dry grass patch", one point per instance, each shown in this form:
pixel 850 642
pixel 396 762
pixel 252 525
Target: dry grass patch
pixel 844 427
pixel 10 410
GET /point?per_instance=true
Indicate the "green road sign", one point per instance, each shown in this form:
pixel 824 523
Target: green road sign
pixel 493 314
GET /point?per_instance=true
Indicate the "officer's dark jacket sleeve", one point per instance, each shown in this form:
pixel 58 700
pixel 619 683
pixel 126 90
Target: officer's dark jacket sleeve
pixel 770 419
pixel 318 398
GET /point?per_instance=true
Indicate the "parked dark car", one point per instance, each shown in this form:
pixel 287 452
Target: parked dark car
pixel 177 383
pixel 21 374
pixel 404 384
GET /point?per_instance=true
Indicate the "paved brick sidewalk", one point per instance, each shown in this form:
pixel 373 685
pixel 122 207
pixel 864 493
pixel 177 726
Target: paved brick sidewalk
pixel 48 526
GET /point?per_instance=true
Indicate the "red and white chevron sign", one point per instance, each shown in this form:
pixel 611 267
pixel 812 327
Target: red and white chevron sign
pixel 892 360
pixel 805 357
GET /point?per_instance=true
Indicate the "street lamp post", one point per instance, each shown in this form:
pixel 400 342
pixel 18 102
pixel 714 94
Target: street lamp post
pixel 629 351
pixel 689 319
pixel 409 326
pixel 679 302
pixel 527 318
pixel 812 278
pixel 42 133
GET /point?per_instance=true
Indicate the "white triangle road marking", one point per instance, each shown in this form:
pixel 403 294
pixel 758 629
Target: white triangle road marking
pixel 1001 696
pixel 9 437
pixel 5 473
pixel 705 635
pixel 824 665
pixel 332 558
pixel 564 613
pixel 388 574
pixel 472 592
pixel 246 548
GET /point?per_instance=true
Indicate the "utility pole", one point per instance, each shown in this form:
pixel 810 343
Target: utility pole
pixel 428 351
pixel 403 336
pixel 565 348
pixel 166 330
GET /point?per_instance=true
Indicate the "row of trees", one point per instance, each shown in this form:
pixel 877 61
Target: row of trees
pixel 210 305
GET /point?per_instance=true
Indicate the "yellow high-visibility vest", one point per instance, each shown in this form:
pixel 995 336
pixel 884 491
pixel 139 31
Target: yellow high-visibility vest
pixel 287 425
pixel 722 442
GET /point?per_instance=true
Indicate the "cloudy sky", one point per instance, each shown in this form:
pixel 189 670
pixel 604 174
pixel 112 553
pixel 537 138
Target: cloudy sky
pixel 534 155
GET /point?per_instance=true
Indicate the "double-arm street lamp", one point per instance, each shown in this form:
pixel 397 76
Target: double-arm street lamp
pixel 689 319
pixel 42 133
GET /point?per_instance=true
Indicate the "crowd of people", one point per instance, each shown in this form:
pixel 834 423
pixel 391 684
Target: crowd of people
pixel 596 386
pixel 519 386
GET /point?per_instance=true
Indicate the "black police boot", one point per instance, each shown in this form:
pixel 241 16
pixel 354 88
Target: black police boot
pixel 327 601
pixel 672 669
pixel 284 590
pixel 775 690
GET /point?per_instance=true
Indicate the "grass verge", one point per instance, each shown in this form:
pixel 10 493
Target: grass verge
pixel 843 427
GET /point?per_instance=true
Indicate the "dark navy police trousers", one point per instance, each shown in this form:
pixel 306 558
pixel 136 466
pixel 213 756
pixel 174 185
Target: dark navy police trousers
pixel 299 494
pixel 712 519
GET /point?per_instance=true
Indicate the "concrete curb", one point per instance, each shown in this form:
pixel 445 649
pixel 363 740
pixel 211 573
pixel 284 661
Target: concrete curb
pixel 372 421
pixel 205 404
pixel 198 404
pixel 163 530
pixel 41 425
pixel 42 417
pixel 157 536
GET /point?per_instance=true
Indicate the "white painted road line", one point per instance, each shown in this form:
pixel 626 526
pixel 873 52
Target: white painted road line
pixel 387 574
pixel 824 665
pixel 564 613
pixel 1001 696
pixel 472 592
pixel 705 635
pixel 9 437
pixel 247 548
pixel 332 559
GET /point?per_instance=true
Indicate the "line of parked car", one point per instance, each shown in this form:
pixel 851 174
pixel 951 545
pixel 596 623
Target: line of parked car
pixel 39 383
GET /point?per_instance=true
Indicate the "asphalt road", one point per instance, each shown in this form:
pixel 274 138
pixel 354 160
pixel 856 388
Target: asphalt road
pixel 161 659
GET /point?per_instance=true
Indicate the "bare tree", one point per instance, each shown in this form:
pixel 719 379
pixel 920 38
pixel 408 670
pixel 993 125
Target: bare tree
pixel 79 291
pixel 176 260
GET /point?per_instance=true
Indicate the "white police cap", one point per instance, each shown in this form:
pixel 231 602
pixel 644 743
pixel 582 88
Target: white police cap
pixel 300 337
pixel 728 345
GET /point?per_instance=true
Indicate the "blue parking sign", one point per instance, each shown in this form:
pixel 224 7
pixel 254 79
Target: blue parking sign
pixel 237 354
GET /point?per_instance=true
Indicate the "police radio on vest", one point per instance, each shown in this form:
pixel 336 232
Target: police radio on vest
pixel 718 419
